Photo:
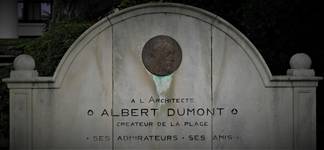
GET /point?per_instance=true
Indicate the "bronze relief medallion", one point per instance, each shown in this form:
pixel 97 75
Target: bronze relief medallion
pixel 161 55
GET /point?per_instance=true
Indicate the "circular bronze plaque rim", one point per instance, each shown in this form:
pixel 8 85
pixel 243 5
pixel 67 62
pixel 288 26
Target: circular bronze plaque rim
pixel 172 62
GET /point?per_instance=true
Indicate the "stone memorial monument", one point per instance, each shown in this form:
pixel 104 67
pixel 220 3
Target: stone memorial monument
pixel 162 76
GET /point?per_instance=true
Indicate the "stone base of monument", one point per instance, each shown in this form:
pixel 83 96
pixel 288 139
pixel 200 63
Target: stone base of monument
pixel 163 76
pixel 301 72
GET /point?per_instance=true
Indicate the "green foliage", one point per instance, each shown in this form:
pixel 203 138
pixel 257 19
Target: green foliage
pixel 82 9
pixel 49 48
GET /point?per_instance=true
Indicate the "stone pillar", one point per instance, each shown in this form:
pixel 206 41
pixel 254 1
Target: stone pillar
pixel 304 102
pixel 21 95
pixel 8 19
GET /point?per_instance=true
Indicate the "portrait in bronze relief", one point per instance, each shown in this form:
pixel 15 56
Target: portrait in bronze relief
pixel 161 55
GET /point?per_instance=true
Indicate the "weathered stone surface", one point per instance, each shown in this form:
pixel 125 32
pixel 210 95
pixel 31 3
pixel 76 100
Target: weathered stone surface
pixel 300 65
pixel 300 61
pixel 24 62
pixel 222 96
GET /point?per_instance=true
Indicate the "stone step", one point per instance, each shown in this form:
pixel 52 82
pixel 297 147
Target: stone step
pixel 7 47
pixel 5 64
pixel 5 59
pixel 7 55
